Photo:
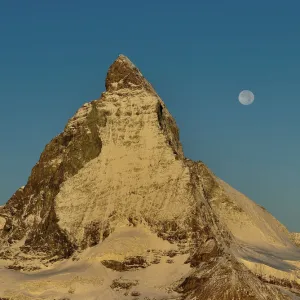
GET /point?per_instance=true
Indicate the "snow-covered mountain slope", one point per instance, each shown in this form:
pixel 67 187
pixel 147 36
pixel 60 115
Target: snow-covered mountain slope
pixel 261 242
pixel 133 261
pixel 113 210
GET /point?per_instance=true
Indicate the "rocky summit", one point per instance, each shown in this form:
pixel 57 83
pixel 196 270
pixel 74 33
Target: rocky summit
pixel 114 210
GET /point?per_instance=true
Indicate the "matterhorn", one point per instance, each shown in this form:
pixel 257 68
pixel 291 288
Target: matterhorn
pixel 114 210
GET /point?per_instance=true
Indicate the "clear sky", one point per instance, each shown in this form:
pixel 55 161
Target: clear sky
pixel 197 54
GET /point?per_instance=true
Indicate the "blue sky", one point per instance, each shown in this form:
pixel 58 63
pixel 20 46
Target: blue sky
pixel 198 55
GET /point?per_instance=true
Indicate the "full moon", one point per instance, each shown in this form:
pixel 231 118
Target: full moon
pixel 246 97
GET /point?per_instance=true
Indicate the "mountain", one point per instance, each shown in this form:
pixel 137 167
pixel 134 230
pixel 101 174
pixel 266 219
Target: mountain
pixel 114 210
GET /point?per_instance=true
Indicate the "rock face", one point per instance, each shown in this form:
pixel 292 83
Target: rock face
pixel 295 237
pixel 115 189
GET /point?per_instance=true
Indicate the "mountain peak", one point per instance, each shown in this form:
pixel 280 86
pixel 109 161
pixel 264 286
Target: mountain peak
pixel 124 74
pixel 114 193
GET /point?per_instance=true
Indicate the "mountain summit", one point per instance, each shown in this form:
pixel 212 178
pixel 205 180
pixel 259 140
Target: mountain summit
pixel 124 74
pixel 113 210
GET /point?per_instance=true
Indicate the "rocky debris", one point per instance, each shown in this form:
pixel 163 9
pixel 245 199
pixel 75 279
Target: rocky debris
pixel 122 283
pixel 156 261
pixel 135 293
pixel 15 267
pixel 23 267
pixel 130 263
pixel 171 253
pixel 6 254
pixel 171 231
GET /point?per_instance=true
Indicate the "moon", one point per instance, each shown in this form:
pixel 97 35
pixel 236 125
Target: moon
pixel 246 97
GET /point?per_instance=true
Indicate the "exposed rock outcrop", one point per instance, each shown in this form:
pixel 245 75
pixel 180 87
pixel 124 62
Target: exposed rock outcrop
pixel 295 237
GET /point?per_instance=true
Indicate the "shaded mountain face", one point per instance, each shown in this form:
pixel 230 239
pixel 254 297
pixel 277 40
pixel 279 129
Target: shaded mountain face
pixel 115 192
